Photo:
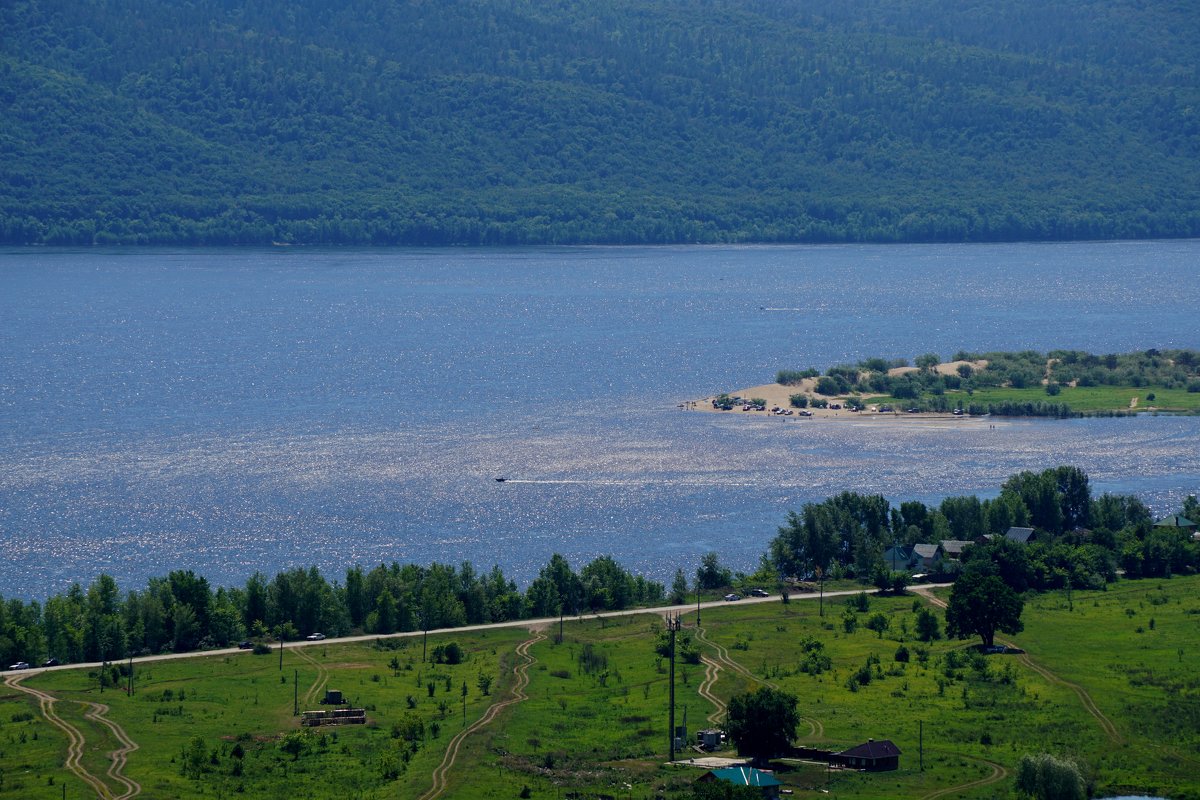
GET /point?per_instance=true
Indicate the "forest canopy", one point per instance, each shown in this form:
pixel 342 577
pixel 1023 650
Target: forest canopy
pixel 618 121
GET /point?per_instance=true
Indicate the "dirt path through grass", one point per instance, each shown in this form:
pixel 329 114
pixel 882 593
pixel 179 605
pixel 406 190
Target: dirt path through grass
pixel 816 729
pixel 712 670
pixel 119 756
pixel 521 671
pixel 75 738
pixel 1089 705
pixel 319 683
pixel 999 773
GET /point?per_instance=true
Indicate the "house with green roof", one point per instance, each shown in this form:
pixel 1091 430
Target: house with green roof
pixel 745 776
pixel 1177 522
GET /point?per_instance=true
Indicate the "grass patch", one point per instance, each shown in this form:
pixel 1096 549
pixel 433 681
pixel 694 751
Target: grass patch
pixel 595 720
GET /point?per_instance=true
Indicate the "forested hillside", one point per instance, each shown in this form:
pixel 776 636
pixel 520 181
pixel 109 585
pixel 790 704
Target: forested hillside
pixel 624 121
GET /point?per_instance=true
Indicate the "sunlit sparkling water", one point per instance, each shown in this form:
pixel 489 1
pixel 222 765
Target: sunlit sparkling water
pixel 232 411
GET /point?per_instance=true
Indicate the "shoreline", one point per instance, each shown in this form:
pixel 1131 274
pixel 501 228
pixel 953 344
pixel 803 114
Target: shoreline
pixel 779 396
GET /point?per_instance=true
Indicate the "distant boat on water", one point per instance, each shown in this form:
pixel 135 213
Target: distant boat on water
pixel 501 479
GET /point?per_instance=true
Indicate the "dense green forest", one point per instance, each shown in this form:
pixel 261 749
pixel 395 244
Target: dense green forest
pixel 615 121
pixel 1082 542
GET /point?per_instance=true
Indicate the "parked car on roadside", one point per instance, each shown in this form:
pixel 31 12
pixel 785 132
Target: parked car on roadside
pixel 731 597
pixel 19 665
pixel 246 645
pixel 315 637
pixel 50 662
pixel 760 593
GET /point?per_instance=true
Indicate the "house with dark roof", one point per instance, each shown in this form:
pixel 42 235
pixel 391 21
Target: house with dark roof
pixel 1020 535
pixel 898 558
pixel 953 548
pixel 873 756
pixel 745 776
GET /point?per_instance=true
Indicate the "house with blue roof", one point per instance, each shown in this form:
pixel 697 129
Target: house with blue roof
pixel 745 776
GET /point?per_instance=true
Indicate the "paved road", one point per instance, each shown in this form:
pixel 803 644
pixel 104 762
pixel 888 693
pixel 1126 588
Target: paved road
pixel 519 623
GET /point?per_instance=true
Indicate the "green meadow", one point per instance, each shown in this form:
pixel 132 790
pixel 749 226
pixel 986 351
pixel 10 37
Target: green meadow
pixel 1081 399
pixel 1089 399
pixel 1108 678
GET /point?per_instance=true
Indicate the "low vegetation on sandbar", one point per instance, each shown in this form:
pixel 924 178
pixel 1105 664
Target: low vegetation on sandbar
pixel 1060 383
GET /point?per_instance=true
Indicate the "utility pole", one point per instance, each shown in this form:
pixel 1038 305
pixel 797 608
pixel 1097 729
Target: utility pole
pixel 821 583
pixel 560 624
pixel 295 692
pixel 921 743
pixel 131 674
pixel 697 604
pixel 281 651
pixel 673 627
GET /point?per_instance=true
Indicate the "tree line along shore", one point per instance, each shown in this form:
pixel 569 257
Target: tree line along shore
pixel 1082 542
pixel 1061 383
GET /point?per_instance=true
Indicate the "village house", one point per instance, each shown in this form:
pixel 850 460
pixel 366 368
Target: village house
pixel 918 558
pixel 745 776
pixel 1020 535
pixel 953 548
pixel 873 756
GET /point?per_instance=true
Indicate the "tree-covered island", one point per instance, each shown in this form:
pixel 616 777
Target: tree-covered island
pixel 1061 383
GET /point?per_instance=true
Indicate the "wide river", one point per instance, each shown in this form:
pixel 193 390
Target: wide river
pixel 237 410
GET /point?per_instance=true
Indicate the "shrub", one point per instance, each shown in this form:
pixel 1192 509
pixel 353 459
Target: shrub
pixel 1045 777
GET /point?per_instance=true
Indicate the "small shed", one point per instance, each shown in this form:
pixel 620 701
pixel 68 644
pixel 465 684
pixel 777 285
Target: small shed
pixel 745 776
pixel 873 755
pixel 711 738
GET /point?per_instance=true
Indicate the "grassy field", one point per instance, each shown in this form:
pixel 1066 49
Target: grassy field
pixel 595 720
pixel 1084 399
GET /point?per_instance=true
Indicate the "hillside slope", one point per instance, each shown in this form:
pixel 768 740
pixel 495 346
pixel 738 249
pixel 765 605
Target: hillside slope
pixel 504 121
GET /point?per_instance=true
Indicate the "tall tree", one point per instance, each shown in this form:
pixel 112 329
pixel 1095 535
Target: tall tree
pixel 763 723
pixel 982 604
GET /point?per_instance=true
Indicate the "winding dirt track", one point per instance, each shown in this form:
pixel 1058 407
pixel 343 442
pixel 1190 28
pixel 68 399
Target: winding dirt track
pixel 76 742
pixel 319 683
pixel 712 671
pixel 816 729
pixel 518 694
pixel 119 756
pixel 1089 705
pixel 999 773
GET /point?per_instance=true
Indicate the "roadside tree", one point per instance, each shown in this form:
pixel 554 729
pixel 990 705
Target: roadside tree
pixel 982 604
pixel 763 723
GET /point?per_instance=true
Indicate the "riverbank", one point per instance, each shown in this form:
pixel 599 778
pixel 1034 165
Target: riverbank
pixel 778 396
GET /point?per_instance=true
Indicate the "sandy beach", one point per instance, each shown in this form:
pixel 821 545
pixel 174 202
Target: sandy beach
pixel 779 396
